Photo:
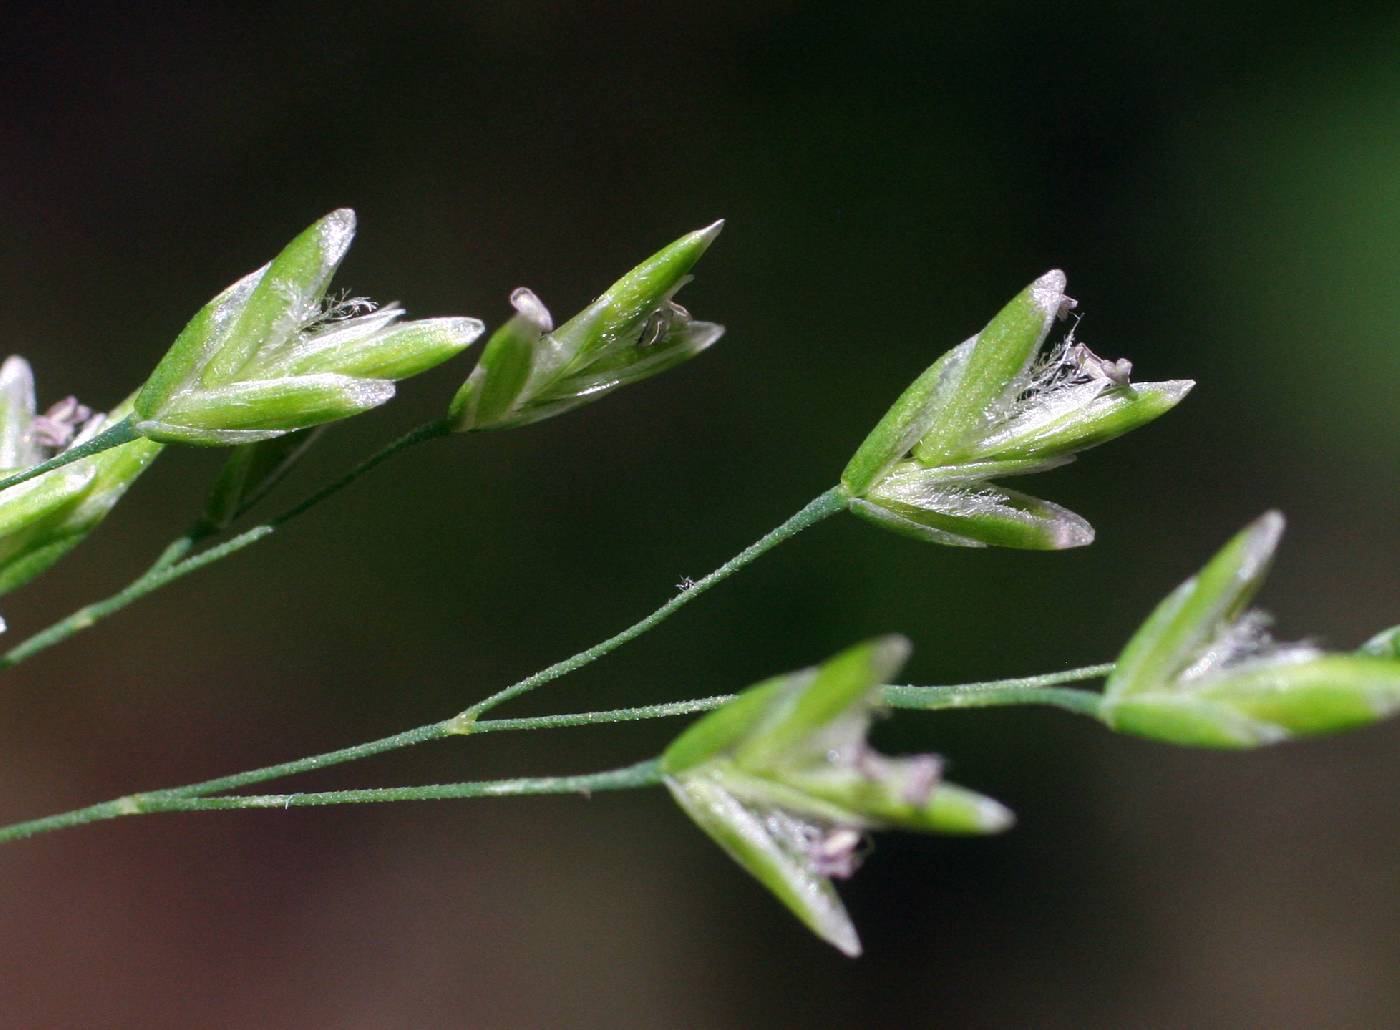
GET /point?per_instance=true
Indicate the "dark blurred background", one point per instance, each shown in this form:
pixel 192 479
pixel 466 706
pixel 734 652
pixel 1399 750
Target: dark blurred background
pixel 1222 183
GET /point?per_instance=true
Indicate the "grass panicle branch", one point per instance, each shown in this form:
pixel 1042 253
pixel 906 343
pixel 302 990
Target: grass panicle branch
pixel 643 774
pixel 115 435
pixel 196 796
pixel 174 562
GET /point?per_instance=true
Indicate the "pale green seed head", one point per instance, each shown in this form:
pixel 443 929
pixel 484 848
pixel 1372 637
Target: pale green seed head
pixel 530 370
pixel 1202 671
pixel 783 779
pixel 990 408
pixel 271 355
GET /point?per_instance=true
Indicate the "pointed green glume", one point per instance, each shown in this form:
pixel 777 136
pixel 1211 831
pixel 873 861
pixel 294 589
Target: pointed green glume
pixel 1002 352
pixel 1194 613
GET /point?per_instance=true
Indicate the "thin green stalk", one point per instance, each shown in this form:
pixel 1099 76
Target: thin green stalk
pixel 155 578
pixel 1024 690
pixel 935 699
pixel 177 549
pixel 897 697
pixel 115 435
pixel 1020 690
pixel 284 468
pixel 193 797
pixel 428 431
pixel 466 723
pixel 173 563
pixel 823 506
pixel 643 774
pixel 408 738
pixel 1044 679
pixel 612 715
